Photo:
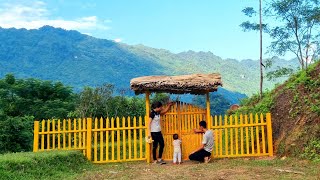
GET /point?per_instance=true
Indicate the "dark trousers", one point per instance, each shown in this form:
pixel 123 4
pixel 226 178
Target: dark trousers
pixel 157 139
pixel 199 155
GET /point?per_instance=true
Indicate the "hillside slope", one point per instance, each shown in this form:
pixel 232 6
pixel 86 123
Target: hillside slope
pixel 295 109
pixel 296 112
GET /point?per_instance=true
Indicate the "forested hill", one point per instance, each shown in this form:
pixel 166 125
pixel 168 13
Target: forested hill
pixel 80 60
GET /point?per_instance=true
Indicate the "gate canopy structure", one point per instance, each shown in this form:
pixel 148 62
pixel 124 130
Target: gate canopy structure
pixel 118 139
pixel 193 84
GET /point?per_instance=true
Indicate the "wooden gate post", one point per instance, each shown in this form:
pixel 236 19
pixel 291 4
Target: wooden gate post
pixel 36 136
pixel 148 155
pixel 269 129
pixel 89 143
pixel 209 124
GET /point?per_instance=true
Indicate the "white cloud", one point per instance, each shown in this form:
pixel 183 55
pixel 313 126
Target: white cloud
pixel 35 15
pixel 117 40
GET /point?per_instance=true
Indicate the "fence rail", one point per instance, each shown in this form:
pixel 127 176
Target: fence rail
pixel 101 140
pixel 123 139
pixel 244 135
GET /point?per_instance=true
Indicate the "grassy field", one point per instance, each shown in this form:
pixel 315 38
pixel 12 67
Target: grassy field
pixel 43 165
pixel 73 165
pixel 217 169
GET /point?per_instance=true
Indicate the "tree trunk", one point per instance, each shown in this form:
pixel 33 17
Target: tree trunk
pixel 261 73
pixel 299 43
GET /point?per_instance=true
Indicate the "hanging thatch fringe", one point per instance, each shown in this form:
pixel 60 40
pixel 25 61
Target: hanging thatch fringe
pixel 193 84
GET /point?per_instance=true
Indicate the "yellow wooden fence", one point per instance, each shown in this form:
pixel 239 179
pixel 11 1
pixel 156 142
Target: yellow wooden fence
pixel 123 139
pixel 101 140
pixel 242 136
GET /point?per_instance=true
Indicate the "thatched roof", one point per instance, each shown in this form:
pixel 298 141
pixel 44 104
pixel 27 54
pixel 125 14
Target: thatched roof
pixel 193 84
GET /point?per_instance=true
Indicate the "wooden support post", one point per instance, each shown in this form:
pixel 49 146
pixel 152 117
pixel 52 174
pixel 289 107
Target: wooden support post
pixel 36 136
pixel 269 129
pixel 148 155
pixel 89 143
pixel 209 122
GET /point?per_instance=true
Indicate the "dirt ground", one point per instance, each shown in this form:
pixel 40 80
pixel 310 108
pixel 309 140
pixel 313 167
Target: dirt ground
pixel 218 169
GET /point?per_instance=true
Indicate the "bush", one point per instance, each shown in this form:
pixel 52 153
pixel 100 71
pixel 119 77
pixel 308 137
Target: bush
pixel 16 134
pixel 255 105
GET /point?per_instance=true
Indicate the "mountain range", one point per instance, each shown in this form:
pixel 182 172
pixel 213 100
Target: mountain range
pixel 80 60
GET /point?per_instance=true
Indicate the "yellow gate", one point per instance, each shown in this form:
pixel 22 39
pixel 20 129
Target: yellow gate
pixel 234 136
pixel 182 119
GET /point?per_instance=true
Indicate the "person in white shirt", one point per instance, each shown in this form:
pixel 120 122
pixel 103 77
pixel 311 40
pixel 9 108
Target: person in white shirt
pixel 203 153
pixel 176 149
pixel 155 130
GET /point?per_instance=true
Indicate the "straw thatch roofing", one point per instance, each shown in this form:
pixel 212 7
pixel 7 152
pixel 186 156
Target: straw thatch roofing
pixel 193 84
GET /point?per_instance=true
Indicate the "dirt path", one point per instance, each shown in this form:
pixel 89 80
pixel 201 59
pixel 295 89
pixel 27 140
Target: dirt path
pixel 218 169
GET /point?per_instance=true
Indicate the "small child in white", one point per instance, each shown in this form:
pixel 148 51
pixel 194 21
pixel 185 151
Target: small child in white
pixel 176 149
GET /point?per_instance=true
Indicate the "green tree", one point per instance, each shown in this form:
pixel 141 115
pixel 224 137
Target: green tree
pixel 33 97
pixel 101 102
pixel 24 100
pixel 249 11
pixel 297 32
pixel 161 97
pixel 295 29
pixel 260 29
pixel 218 104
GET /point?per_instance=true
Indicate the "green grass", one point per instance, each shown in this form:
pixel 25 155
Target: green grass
pixel 73 165
pixel 43 165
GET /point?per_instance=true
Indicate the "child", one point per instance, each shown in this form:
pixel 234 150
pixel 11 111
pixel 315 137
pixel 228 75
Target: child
pixel 176 149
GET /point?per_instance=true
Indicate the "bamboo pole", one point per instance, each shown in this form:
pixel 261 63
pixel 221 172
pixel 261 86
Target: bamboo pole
pixel 148 155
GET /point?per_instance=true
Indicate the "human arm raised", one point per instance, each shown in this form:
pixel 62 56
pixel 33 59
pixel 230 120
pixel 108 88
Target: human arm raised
pixel 198 131
pixel 164 111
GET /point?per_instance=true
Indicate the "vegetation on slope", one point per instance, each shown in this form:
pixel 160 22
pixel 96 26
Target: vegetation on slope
pixel 295 109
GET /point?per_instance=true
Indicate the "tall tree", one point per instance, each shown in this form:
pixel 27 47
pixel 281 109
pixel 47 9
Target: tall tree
pixel 297 30
pixel 249 11
pixel 294 27
pixel 260 26
pixel 24 100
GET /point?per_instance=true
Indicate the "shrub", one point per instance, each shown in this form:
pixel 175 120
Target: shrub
pixel 16 134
